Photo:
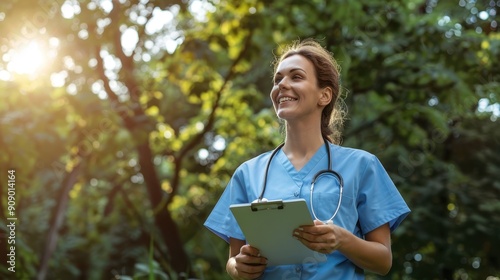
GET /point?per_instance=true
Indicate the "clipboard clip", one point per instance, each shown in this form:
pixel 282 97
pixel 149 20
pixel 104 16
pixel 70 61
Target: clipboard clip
pixel 267 205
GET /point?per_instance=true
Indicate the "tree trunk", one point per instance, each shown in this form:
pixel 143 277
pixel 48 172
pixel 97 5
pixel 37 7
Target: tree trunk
pixel 57 221
pixel 164 221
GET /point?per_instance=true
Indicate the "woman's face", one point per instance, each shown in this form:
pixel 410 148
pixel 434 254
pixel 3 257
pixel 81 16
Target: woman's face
pixel 295 93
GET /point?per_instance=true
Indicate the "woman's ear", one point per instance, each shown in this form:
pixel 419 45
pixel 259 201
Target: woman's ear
pixel 326 96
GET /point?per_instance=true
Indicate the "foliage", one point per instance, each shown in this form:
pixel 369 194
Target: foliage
pixel 126 136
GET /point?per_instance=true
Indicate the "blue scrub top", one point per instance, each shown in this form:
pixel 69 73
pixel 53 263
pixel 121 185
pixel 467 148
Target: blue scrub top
pixel 370 199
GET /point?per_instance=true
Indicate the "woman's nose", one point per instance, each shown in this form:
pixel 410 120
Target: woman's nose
pixel 283 84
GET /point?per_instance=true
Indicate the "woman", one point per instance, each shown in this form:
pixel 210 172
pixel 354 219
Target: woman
pixel 306 95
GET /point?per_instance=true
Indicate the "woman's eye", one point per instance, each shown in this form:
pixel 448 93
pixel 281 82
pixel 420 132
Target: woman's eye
pixel 277 80
pixel 295 77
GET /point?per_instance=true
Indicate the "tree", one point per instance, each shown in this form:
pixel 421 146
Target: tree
pixel 147 108
pixel 124 127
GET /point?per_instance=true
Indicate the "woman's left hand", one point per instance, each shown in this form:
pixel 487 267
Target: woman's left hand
pixel 323 238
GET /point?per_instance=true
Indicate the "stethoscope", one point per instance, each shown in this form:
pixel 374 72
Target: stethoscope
pixel 321 172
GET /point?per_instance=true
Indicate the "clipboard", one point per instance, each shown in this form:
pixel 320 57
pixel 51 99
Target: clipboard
pixel 268 226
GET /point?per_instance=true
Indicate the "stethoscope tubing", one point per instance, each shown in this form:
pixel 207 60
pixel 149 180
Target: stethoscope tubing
pixel 316 176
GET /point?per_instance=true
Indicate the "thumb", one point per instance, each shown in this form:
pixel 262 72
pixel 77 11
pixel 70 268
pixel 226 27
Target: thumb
pixel 318 223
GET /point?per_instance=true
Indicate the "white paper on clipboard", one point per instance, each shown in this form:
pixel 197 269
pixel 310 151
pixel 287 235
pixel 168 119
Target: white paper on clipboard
pixel 268 226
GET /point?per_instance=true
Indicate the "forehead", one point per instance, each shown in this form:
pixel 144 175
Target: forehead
pixel 295 62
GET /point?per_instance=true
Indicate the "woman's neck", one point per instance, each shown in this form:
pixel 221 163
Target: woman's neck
pixel 301 144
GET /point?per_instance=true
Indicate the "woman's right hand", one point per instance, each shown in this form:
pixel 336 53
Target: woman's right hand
pixel 247 264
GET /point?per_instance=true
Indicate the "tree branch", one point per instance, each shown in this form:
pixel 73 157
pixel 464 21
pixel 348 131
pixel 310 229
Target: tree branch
pixel 120 108
pixel 127 61
pixel 57 220
pixel 210 121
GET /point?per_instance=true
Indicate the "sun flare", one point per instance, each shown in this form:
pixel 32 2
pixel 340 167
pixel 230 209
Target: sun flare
pixel 26 60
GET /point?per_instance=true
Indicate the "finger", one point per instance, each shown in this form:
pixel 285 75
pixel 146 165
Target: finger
pixel 316 241
pixel 250 260
pixel 322 247
pixel 315 246
pixel 318 229
pixel 249 250
pixel 313 233
pixel 308 237
pixel 245 275
pixel 248 272
pixel 251 267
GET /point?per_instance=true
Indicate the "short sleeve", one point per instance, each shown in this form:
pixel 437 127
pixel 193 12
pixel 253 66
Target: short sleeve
pixel 379 201
pixel 221 220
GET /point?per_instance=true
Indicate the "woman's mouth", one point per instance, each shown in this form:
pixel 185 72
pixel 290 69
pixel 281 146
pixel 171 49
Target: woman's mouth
pixel 286 98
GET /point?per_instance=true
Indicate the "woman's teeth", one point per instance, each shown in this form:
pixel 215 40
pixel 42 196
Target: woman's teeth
pixel 283 99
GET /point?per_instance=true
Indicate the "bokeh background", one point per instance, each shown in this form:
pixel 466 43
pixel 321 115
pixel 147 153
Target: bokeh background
pixel 124 120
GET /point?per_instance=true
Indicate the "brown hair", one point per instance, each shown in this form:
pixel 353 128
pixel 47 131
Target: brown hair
pixel 327 75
